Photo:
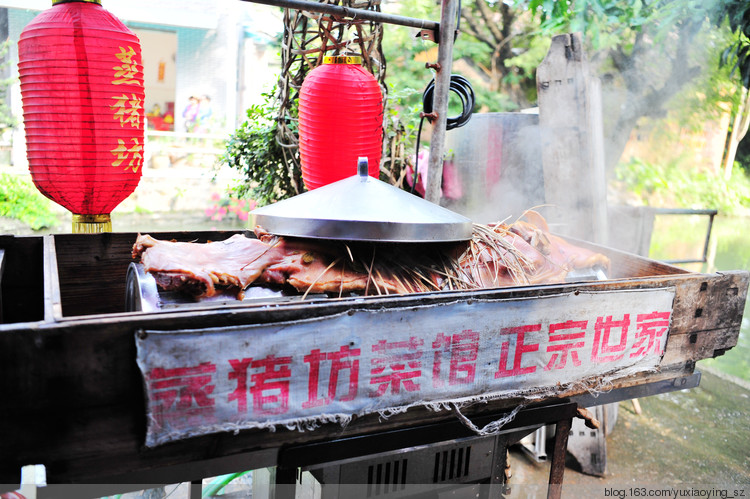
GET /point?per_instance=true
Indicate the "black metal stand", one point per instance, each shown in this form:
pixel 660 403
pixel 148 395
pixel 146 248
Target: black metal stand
pixel 421 461
pixel 381 460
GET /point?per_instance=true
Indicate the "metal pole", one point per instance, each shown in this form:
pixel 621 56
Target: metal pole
pixel 440 99
pixel 342 11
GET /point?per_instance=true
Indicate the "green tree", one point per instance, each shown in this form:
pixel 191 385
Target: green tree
pixel 499 39
pixel 649 53
pixel 269 174
pixel 481 54
pixel 737 56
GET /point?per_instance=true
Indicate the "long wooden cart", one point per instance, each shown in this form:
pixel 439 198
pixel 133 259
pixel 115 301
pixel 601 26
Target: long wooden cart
pixel 76 400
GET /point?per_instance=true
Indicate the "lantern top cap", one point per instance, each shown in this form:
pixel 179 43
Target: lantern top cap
pixel 342 59
pixel 56 2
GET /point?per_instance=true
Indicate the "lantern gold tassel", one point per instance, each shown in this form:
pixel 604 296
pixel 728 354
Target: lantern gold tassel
pixel 92 224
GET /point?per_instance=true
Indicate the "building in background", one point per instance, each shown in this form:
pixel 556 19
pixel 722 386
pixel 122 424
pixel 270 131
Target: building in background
pixel 221 50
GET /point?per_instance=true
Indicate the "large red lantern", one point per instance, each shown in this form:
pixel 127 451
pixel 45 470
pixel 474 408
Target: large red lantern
pixel 81 78
pixel 340 120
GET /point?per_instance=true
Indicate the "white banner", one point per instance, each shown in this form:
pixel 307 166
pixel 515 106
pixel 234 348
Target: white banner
pixel 219 379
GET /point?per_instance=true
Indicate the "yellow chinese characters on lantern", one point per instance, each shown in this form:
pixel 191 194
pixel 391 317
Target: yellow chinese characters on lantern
pixel 126 110
pixel 126 72
pixel 131 156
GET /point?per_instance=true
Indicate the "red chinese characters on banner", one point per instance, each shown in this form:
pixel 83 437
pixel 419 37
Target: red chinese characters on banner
pixel 182 395
pixel 563 344
pixel 519 347
pixel 650 329
pixel 337 362
pixel 263 386
pixel 269 385
pixel 396 364
pixel 462 350
pixel 605 348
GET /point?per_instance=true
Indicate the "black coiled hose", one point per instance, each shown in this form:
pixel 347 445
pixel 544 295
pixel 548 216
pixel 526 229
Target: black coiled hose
pixel 460 86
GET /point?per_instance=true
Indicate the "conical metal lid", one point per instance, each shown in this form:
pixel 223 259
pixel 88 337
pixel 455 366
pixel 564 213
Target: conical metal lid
pixel 362 208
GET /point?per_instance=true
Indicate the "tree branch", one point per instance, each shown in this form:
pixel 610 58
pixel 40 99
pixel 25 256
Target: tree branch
pixel 486 14
pixel 475 32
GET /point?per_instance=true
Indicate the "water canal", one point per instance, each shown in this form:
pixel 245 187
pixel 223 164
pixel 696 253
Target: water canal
pixel 683 237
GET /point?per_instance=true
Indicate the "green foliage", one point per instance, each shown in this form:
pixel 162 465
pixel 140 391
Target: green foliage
pixel 606 23
pixel 670 185
pixel 737 54
pixel 19 199
pixel 406 75
pixel 407 54
pixel 270 173
pixel 400 133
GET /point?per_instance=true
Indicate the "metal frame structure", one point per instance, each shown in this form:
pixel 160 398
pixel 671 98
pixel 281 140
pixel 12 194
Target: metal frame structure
pixel 686 211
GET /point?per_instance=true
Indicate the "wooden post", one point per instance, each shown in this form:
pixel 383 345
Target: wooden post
pixel 557 466
pixel 2 266
pixel 440 100
pixel 572 143
pixel 196 489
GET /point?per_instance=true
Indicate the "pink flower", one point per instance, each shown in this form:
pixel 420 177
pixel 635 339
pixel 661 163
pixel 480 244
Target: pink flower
pixel 215 196
pixel 242 215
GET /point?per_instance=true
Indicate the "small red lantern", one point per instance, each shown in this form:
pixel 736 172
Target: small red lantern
pixel 340 120
pixel 81 78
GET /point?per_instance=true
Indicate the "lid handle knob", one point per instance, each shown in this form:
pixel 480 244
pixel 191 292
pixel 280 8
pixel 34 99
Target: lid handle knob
pixel 362 168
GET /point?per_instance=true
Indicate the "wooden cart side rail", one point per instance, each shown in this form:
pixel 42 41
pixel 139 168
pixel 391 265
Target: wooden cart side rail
pixel 75 456
pixel 52 301
pixel 702 302
pixel 2 268
pixel 66 364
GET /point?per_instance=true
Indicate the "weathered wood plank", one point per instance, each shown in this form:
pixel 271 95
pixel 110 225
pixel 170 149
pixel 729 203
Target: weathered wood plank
pixel 574 181
pixel 22 284
pixel 692 347
pixel 92 268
